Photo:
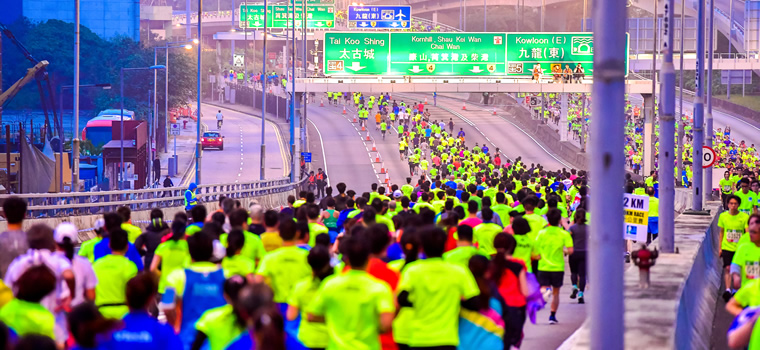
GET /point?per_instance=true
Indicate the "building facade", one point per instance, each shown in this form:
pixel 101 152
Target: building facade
pixel 106 18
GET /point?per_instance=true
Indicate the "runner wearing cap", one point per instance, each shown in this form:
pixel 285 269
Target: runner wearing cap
pixel 84 276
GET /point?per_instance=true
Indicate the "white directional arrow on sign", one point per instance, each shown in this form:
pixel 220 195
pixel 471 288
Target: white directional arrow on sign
pixel 476 69
pixel 416 69
pixel 394 24
pixel 355 66
pixel 257 23
pixel 319 24
pixel 363 24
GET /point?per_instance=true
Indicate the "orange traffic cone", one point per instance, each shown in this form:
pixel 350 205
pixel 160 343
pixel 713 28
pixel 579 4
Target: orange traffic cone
pixel 344 109
pixel 354 119
pixel 377 157
pixel 322 102
pixel 363 128
pixel 368 138
pixel 464 106
pixel 387 179
pixel 494 111
pixel 374 147
pixel 382 168
pixel 425 100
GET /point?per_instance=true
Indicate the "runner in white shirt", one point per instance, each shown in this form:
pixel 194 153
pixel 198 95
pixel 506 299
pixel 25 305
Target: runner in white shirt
pixel 41 252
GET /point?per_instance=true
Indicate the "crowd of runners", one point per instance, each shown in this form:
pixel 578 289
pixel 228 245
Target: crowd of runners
pixel 458 255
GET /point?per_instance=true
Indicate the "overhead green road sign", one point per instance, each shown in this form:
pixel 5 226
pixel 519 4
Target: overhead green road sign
pixel 455 54
pixel 363 53
pixel 317 16
pixel 281 16
pixel 447 54
pixel 254 15
pixel 525 50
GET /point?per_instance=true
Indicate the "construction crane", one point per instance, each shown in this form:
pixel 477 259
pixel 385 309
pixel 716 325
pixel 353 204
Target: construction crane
pixel 31 73
pixel 40 74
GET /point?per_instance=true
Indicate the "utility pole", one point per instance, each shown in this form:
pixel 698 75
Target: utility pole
pixel 679 158
pixel 667 129
pixel 293 156
pixel 607 169
pixel 75 141
pixel 699 112
pixel 730 37
pixel 198 148
pixel 707 185
pixel 264 93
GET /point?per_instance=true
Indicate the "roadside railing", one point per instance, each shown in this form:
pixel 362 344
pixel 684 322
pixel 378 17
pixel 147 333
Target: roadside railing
pixel 45 205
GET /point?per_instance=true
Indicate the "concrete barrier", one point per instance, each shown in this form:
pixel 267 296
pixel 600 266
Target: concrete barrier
pixel 548 137
pixel 677 311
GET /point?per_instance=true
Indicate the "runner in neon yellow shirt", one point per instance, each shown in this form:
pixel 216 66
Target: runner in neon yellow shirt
pixel 24 314
pixel 283 267
pixel 113 272
pixel 171 255
pixel 220 326
pixel 732 224
pixel 355 306
pixel 553 243
pixel 313 335
pixel 745 266
pixel 435 290
pixel 235 263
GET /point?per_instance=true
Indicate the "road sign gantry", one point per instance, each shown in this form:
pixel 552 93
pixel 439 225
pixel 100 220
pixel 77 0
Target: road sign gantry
pixel 281 16
pixel 379 16
pixel 454 54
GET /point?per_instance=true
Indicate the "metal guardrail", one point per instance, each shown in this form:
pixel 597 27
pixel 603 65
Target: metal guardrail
pixel 44 205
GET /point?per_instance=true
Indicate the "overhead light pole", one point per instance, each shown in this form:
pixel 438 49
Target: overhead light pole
pixel 170 45
pixel 607 171
pixel 667 130
pixel 198 148
pixel 76 134
pixel 121 98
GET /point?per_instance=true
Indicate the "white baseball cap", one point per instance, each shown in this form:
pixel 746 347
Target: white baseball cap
pixel 64 230
pixel 398 194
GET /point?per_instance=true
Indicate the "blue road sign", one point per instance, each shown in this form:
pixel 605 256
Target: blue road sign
pixel 306 157
pixel 390 17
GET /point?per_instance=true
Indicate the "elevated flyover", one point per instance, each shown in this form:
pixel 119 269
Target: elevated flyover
pixel 454 84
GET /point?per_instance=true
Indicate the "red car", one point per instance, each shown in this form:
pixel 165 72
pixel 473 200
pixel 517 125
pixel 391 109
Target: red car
pixel 212 139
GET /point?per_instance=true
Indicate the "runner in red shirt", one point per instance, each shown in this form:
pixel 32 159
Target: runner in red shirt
pixel 509 275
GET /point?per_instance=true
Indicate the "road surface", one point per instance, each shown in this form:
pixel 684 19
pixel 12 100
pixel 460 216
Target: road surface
pixel 239 161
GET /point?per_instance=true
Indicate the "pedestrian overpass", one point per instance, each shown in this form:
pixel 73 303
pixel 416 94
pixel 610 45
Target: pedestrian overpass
pixel 408 84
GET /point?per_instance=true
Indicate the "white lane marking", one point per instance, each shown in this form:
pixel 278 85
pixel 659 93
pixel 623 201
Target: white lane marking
pixel 513 124
pixel 285 156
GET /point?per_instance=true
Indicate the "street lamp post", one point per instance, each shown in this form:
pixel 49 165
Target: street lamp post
pixel 198 148
pixel 75 142
pixel 121 103
pixel 263 79
pixel 187 45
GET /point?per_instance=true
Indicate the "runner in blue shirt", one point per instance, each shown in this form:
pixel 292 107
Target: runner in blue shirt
pixel 103 248
pixel 140 329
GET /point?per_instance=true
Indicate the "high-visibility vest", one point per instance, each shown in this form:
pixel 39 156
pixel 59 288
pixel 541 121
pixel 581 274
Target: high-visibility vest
pixel 193 200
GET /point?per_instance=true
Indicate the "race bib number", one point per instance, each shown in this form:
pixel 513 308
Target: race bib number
pixel 752 270
pixel 733 236
pixel 726 188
